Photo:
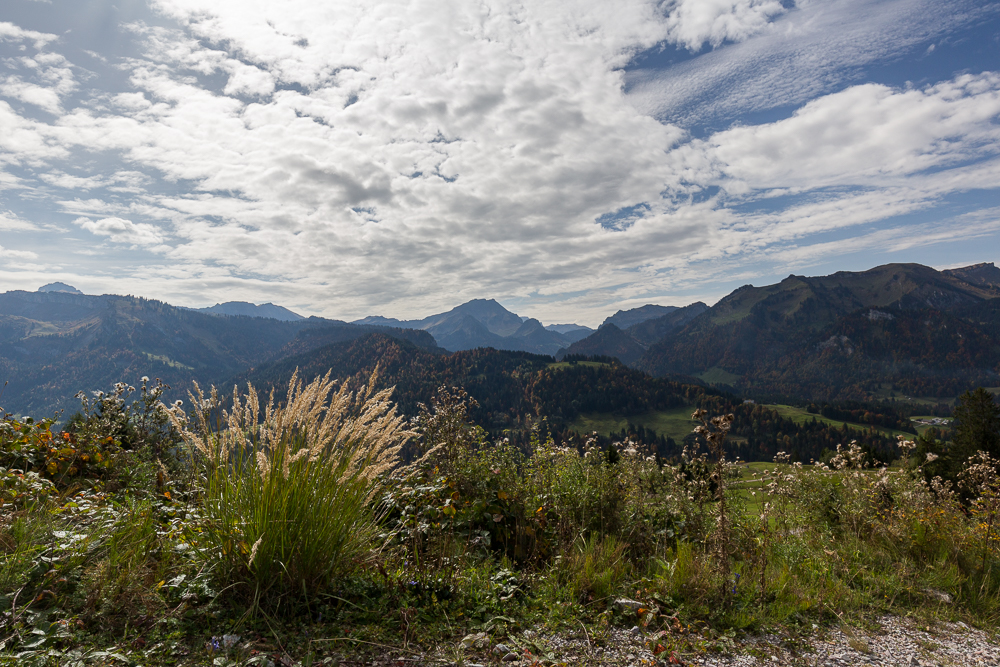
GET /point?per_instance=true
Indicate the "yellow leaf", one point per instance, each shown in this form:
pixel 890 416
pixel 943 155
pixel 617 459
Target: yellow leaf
pixel 160 585
pixel 167 495
pixel 502 495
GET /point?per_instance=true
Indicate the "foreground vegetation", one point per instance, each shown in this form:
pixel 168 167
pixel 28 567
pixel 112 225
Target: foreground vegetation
pixel 252 531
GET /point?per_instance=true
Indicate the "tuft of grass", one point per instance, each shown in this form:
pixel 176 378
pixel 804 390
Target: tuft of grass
pixel 124 576
pixel 23 536
pixel 288 488
pixel 595 570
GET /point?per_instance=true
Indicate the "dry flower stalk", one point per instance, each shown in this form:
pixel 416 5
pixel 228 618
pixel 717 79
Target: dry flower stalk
pixel 358 431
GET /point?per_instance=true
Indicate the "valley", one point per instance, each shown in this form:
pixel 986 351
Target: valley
pixel 533 473
pixel 897 341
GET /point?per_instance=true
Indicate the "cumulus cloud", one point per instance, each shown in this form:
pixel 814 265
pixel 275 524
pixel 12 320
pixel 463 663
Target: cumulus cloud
pixel 11 223
pixel 47 78
pixel 10 32
pixel 400 156
pixel 7 253
pixel 863 135
pixel 816 48
pixel 692 23
pixel 120 230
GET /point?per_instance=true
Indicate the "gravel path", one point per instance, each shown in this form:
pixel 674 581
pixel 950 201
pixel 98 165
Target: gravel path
pixel 896 642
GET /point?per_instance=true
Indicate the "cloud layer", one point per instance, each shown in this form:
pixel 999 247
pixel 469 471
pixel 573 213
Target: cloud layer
pixel 395 157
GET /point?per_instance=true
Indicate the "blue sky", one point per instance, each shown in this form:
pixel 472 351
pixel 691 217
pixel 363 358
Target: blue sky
pixel 566 158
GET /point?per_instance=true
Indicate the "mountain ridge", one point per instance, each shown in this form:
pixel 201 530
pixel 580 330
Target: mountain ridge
pixel 844 331
pixel 896 328
pixel 247 309
pixel 54 344
pixel 483 323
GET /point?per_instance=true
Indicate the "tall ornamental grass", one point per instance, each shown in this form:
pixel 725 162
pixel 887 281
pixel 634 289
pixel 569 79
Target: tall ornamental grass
pixel 287 489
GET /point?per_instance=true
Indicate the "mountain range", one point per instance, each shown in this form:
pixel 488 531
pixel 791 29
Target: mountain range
pixel 53 344
pixel 268 310
pixel 485 323
pixel 903 328
pixel 900 329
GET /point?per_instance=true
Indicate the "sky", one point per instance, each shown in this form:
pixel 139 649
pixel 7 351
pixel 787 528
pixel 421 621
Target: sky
pixel 567 158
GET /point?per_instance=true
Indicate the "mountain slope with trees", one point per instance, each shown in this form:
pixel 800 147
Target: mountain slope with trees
pixel 485 323
pixel 54 344
pixel 898 328
pixel 844 336
pixel 516 391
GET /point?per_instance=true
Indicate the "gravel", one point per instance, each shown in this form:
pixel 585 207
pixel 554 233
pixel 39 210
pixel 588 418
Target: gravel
pixel 890 642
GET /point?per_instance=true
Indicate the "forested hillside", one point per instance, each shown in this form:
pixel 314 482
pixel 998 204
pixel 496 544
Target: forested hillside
pixel 53 345
pixel 517 390
pixel 892 332
pixel 901 329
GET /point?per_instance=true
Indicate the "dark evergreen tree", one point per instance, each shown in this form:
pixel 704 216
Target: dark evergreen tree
pixel 976 426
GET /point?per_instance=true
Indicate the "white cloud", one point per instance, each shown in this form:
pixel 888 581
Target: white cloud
pixel 26 140
pixel 46 98
pixel 69 181
pixel 11 223
pixel 16 254
pixel 120 230
pixel 247 80
pixel 816 48
pixel 10 32
pixel 49 77
pixel 895 239
pixel 692 23
pixel 864 135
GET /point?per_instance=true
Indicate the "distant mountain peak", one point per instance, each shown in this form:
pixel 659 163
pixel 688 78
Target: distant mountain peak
pixel 485 323
pixel 566 328
pixel 608 340
pixel 985 274
pixel 59 287
pixel 624 319
pixel 248 309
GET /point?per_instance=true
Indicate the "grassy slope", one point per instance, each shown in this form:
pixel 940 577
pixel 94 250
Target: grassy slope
pixel 567 364
pixel 716 375
pixel 677 423
pixel 800 416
